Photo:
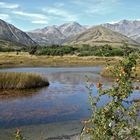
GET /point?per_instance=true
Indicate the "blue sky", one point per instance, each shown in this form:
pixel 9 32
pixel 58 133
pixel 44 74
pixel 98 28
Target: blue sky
pixel 31 14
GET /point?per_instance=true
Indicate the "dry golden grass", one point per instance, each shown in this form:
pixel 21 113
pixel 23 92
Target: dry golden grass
pixel 107 71
pixel 26 60
pixel 13 80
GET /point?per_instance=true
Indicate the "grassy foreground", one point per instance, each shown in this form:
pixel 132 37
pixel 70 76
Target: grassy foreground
pixel 13 80
pixel 10 59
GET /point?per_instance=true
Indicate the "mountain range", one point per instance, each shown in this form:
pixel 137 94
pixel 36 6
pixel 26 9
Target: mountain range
pixel 74 33
pixel 9 32
pixel 130 28
pixel 56 34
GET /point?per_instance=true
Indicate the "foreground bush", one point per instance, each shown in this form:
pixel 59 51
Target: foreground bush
pixel 13 80
pixel 108 71
pixel 118 118
pixel 18 135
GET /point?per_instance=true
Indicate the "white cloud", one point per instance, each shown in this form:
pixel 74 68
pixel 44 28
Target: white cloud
pixel 59 4
pixel 32 15
pixel 85 8
pixel 8 5
pixel 92 2
pixel 102 7
pixel 5 17
pixel 59 13
pixel 35 18
pixel 80 2
pixel 113 22
pixel 98 7
pixel 40 22
pixel 137 19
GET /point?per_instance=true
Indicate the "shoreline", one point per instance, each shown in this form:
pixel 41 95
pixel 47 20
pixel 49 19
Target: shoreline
pixel 69 130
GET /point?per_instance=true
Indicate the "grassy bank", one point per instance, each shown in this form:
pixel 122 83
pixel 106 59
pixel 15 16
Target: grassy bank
pixel 25 60
pixel 13 80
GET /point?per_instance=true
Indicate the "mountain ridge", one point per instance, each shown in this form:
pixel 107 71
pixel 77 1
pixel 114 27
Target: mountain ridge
pixel 130 28
pixel 69 30
pixel 99 34
pixel 11 33
pixel 61 34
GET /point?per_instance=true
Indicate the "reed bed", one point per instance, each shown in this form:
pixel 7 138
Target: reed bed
pixel 19 80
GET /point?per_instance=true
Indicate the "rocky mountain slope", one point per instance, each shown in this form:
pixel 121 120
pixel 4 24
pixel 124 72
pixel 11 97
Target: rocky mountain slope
pixel 71 29
pixel 100 35
pixel 56 34
pixel 49 35
pixel 130 28
pixel 74 33
pixel 4 44
pixel 11 33
pixel 63 33
pixel 138 39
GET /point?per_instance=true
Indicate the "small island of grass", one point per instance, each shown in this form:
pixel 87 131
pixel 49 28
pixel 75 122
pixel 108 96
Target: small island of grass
pixel 18 80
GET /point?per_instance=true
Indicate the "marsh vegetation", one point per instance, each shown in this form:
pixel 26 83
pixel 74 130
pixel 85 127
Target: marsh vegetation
pixel 14 80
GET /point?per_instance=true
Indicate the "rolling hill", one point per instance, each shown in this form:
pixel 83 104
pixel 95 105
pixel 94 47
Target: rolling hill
pixel 100 35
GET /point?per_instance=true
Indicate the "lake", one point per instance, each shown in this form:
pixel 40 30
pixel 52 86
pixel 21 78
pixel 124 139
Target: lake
pixel 58 108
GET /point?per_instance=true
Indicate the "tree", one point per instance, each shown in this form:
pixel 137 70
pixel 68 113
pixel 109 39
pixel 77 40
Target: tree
pixel 32 50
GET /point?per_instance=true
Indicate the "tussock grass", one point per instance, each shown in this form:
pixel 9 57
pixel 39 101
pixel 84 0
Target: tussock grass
pixel 15 80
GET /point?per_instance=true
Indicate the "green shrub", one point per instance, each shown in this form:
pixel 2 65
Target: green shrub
pixel 55 50
pixel 6 49
pixel 32 49
pixel 83 50
pixel 118 118
pixel 105 50
pixel 18 135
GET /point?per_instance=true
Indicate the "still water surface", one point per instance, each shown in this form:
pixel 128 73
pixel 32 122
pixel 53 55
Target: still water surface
pixel 66 98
